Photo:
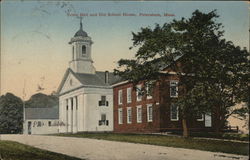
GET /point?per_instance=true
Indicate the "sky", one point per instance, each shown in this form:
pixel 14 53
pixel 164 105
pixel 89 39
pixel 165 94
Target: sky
pixel 35 35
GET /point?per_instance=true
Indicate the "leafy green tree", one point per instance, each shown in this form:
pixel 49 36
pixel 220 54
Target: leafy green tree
pixel 214 73
pixel 41 100
pixel 11 114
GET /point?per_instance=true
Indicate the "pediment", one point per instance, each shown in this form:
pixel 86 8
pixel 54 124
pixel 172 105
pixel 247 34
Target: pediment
pixel 71 82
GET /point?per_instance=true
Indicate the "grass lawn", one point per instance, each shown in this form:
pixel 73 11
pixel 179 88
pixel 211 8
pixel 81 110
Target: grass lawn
pixel 227 135
pixel 15 151
pixel 171 141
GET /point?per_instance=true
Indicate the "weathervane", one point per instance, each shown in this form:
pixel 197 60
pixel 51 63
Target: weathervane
pixel 80 22
pixel 80 17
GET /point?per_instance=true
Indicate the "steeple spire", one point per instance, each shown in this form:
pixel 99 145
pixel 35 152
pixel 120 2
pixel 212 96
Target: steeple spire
pixel 81 61
pixel 80 23
pixel 80 32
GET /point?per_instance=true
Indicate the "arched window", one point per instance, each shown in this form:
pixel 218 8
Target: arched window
pixel 83 50
pixel 73 53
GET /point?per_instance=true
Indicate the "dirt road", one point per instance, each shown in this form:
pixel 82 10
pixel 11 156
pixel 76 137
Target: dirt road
pixel 92 149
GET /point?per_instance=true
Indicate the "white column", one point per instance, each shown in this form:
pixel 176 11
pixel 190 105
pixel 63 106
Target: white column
pixel 77 107
pixel 72 112
pixel 74 118
pixel 69 115
pixel 66 108
pixel 78 49
pixel 61 115
pixel 80 112
pixel 85 127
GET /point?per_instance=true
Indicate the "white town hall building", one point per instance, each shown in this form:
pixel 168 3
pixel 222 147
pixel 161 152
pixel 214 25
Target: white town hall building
pixel 85 95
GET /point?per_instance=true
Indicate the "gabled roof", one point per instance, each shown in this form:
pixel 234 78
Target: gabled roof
pixel 111 77
pixel 42 113
pixel 97 79
pixel 162 66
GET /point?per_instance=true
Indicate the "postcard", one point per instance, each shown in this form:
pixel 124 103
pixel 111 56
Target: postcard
pixel 122 79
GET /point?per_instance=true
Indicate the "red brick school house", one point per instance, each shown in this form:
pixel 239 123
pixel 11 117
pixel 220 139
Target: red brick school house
pixel 154 112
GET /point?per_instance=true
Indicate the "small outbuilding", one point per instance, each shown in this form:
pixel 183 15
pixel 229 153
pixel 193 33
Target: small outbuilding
pixel 41 120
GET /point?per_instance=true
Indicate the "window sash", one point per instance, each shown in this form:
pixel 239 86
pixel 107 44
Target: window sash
pixel 174 114
pixel 149 92
pixel 103 117
pixel 39 124
pixel 120 97
pixel 129 115
pixel 173 88
pixel 84 49
pixel 120 114
pixel 200 117
pixel 139 114
pixel 138 94
pixel 103 122
pixel 103 98
pixel 150 112
pixel 103 101
pixel 129 95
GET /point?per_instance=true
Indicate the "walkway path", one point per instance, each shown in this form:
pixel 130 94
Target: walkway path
pixel 92 149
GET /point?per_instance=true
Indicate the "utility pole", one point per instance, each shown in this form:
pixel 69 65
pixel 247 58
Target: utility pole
pixel 23 99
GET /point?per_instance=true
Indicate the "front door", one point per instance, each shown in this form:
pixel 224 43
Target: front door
pixel 29 127
pixel 208 120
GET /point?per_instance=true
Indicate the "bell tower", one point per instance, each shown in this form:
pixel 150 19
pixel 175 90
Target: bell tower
pixel 81 61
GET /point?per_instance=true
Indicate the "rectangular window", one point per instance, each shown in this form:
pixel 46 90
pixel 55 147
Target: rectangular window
pixel 174 112
pixel 200 117
pixel 103 98
pixel 138 93
pixel 120 118
pixel 103 101
pixel 173 88
pixel 208 120
pixel 129 115
pixel 49 123
pixel 149 90
pixel 150 112
pixel 39 124
pixel 103 120
pixel 34 124
pixel 120 97
pixel 103 117
pixel 139 114
pixel 128 95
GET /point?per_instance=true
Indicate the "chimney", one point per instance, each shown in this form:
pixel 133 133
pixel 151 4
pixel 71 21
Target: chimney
pixel 106 77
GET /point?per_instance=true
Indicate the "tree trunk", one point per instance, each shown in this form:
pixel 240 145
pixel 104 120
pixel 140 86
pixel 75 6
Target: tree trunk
pixel 218 122
pixel 218 127
pixel 185 128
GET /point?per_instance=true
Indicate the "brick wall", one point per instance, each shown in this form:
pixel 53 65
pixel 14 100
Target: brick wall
pixel 144 126
pixel 161 102
pixel 165 103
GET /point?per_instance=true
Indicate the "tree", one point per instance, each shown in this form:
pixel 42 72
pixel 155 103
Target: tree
pixel 11 114
pixel 41 100
pixel 214 72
